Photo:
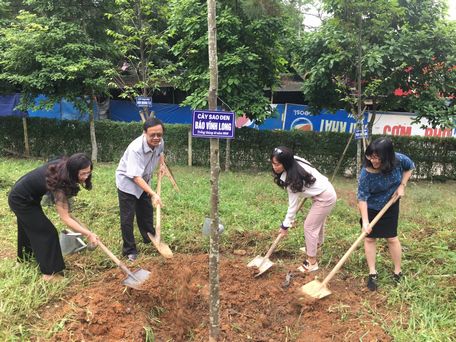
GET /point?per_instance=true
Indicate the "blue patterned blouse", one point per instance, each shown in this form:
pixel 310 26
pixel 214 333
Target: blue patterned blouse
pixel 377 188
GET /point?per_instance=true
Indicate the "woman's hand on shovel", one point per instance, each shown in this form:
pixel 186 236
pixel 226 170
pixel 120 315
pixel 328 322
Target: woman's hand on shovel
pixel 283 231
pixel 92 241
pixel 366 228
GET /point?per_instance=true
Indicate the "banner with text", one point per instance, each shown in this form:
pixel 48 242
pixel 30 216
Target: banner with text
pixel 299 117
pixel 400 124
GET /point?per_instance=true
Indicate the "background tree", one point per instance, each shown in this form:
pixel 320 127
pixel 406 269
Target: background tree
pixel 367 49
pixel 55 49
pixel 249 50
pixel 422 61
pixel 138 34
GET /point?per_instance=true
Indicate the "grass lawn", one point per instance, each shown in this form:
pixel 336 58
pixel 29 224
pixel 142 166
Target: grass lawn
pixel 422 307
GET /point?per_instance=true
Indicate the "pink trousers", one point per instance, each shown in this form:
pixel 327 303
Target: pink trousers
pixel 314 230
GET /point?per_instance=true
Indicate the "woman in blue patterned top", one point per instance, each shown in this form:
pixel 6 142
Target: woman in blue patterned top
pixel 384 174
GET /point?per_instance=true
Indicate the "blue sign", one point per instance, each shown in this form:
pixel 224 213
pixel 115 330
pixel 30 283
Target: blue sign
pixel 213 124
pixel 361 133
pixel 143 101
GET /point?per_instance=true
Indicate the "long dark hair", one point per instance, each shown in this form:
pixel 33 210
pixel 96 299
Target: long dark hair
pixel 62 177
pixel 297 177
pixel 383 148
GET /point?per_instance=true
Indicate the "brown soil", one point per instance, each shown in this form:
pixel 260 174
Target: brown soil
pixel 175 300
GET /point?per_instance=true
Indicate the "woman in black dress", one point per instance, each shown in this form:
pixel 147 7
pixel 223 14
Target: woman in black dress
pixel 60 180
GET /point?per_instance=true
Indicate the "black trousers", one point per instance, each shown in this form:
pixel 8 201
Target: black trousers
pixel 36 235
pixel 129 206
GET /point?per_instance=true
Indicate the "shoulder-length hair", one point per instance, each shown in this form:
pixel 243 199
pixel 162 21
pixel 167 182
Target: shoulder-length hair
pixel 383 149
pixel 62 177
pixel 297 177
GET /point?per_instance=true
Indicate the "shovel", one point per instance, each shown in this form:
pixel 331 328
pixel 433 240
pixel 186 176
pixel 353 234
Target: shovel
pixel 71 242
pixel 134 279
pixel 317 289
pixel 162 247
pixel 264 264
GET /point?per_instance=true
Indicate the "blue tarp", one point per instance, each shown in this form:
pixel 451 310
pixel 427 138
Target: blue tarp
pixel 287 116
pixel 8 104
pixel 64 110
pixel 169 113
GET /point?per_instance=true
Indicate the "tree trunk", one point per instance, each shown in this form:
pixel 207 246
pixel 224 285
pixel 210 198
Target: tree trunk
pixel 359 102
pixel 214 300
pixel 190 161
pixel 370 125
pixel 93 138
pixel 26 139
pixel 342 157
pixel 228 154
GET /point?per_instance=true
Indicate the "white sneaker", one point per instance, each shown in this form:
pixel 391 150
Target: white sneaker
pixel 307 267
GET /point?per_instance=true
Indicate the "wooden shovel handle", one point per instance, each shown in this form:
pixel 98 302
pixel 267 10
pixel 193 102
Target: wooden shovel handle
pixel 158 213
pixel 115 259
pixel 273 246
pixel 358 241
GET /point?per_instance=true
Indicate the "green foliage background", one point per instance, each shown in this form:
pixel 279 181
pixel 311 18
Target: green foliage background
pixel 435 158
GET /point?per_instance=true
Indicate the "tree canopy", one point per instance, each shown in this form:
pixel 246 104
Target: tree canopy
pixel 400 53
pixel 390 45
pixel 55 52
pixel 250 54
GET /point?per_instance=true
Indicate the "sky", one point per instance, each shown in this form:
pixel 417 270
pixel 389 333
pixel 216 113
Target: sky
pixel 314 22
pixel 452 9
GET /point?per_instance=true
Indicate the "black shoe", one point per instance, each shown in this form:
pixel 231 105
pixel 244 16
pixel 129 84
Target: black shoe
pixel 372 282
pixel 397 277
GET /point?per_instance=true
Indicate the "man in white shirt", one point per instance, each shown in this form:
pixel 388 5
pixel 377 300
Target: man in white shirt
pixel 133 176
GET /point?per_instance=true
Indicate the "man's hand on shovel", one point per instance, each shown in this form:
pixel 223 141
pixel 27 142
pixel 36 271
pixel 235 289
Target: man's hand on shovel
pixel 156 200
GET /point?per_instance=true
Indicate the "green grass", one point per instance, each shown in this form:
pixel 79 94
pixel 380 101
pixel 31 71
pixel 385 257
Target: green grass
pixel 251 208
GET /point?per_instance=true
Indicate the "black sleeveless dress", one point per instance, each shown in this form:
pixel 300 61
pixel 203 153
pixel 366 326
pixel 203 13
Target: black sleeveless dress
pixel 36 234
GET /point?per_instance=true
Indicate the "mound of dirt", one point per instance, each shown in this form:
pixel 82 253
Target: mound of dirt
pixel 174 305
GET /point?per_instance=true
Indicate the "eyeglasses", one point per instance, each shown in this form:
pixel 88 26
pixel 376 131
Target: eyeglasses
pixel 84 174
pixel 372 158
pixel 155 135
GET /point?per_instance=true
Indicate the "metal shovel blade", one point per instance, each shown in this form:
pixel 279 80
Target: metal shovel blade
pixel 164 250
pixel 71 242
pixel 315 289
pixel 136 279
pixel 162 247
pixel 262 264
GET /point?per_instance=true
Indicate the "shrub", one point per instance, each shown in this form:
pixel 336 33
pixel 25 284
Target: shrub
pixel 435 158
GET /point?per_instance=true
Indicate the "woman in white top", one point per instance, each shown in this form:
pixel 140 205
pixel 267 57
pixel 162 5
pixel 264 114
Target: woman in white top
pixel 301 179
